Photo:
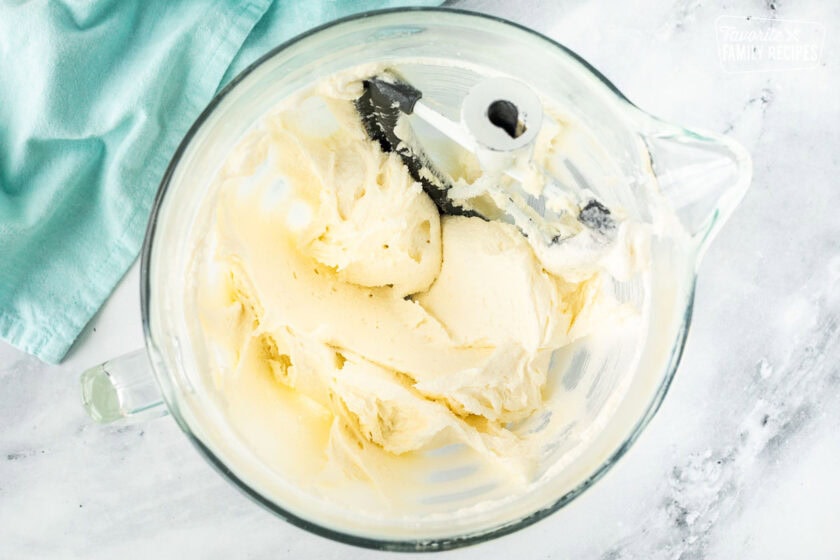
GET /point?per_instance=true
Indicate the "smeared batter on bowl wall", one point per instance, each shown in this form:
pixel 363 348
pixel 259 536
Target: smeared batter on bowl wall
pixel 342 306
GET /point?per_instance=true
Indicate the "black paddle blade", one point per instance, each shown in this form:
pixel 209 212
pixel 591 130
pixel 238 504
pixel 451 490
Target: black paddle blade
pixel 380 107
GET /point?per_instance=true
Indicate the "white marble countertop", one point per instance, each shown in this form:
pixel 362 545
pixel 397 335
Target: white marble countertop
pixel 741 461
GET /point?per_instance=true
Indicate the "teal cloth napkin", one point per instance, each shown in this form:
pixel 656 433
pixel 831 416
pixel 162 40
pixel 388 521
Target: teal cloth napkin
pixel 95 96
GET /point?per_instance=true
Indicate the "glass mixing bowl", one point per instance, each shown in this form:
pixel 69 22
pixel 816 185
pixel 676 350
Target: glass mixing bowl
pixel 626 157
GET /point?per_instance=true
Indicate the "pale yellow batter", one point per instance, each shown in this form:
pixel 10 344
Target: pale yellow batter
pixel 382 328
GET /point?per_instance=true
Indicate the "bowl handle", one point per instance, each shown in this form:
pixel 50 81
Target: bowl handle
pixel 122 389
pixel 703 176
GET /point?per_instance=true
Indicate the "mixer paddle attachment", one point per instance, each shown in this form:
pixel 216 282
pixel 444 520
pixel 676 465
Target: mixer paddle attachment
pixel 500 121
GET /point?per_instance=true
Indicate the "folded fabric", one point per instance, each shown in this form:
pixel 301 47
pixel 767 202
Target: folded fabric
pixel 95 96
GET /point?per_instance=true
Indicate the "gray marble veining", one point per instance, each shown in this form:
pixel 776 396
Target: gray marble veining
pixel 740 462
